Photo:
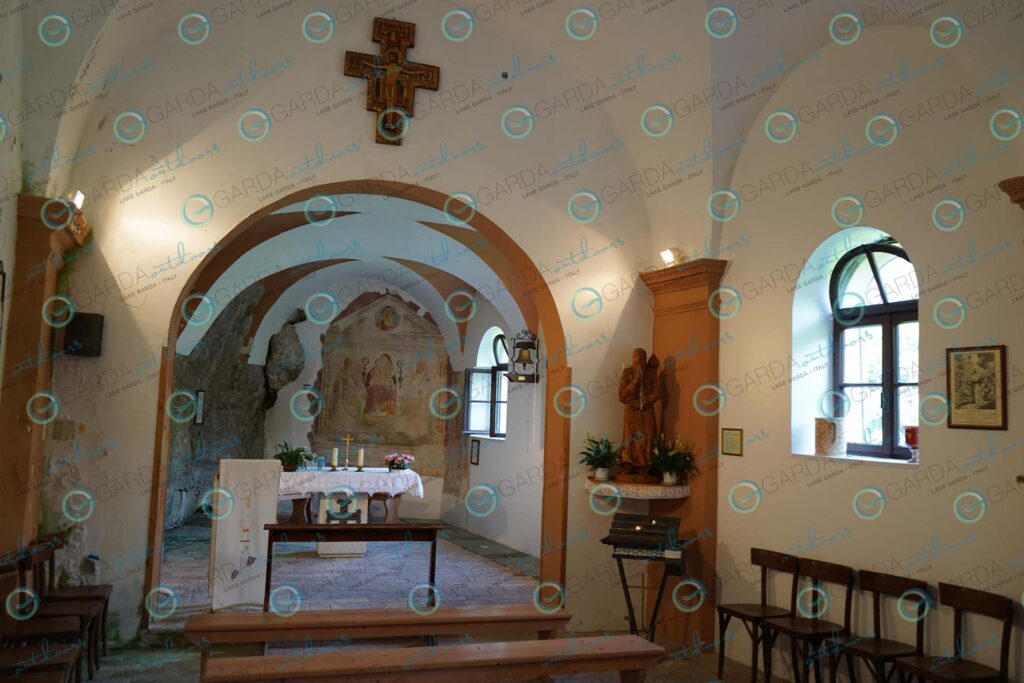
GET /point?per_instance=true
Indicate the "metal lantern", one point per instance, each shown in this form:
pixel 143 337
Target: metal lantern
pixel 524 359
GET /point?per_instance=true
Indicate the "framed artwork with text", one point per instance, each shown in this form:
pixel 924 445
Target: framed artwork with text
pixel 976 386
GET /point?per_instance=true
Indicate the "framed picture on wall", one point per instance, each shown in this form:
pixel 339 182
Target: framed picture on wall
pixel 474 451
pixel 732 441
pixel 976 387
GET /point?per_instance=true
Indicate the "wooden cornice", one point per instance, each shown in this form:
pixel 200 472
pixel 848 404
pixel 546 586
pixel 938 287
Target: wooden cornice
pixel 705 273
pixel 1015 188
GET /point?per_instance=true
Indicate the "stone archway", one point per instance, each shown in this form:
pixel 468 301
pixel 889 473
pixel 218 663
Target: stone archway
pixel 497 249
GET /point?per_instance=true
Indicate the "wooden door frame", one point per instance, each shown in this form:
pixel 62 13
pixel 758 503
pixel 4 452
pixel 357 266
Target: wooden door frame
pixel 502 254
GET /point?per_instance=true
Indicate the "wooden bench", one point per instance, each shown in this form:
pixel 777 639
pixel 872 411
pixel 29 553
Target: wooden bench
pixel 260 627
pixel 631 656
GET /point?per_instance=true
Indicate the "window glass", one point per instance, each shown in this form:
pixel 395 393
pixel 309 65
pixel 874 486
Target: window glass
pixel 876 347
pixel 480 386
pixel 485 353
pixel 479 417
pixel 862 355
pixel 501 415
pixel 857 284
pixel 864 421
pixel 907 352
pixel 499 349
pixel 907 409
pixel 502 394
pixel 899 280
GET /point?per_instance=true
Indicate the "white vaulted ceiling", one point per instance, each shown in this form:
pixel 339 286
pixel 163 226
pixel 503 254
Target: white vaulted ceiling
pixel 379 233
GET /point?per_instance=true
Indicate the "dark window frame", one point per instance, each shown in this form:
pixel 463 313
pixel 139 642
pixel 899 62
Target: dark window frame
pixel 496 372
pixel 888 315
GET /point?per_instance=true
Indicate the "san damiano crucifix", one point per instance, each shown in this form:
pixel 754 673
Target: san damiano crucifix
pixel 391 78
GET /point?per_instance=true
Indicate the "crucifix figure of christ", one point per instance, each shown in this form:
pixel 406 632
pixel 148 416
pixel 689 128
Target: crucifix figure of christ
pixel 348 442
pixel 391 78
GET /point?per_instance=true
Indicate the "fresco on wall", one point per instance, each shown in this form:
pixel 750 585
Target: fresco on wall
pixel 381 363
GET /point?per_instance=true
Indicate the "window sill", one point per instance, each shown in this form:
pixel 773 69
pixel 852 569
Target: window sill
pixel 485 437
pixel 891 462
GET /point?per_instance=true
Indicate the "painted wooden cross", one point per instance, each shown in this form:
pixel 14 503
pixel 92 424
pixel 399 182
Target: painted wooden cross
pixel 392 79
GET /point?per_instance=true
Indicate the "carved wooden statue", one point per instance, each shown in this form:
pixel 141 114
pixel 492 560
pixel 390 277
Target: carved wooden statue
pixel 639 391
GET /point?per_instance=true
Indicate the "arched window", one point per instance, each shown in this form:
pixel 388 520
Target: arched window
pixel 487 387
pixel 873 293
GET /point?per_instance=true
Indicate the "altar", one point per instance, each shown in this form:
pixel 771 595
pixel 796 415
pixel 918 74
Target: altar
pixel 345 498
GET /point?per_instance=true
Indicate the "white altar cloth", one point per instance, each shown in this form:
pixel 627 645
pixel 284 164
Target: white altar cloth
pixel 370 481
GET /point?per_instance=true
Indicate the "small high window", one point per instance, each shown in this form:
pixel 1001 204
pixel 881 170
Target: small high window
pixel 873 293
pixel 487 387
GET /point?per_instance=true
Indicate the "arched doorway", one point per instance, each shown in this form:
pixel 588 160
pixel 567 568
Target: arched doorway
pixel 486 240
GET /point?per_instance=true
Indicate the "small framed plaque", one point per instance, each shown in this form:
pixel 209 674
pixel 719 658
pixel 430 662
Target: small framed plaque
pixel 732 441
pixel 474 451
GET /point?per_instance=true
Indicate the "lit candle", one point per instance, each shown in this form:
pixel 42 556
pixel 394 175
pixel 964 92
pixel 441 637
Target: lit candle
pixel 359 461
pixel 334 457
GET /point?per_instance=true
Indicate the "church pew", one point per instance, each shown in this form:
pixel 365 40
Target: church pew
pixel 629 655
pixel 258 627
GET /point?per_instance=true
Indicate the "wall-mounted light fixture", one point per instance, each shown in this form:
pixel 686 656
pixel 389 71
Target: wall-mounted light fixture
pixel 524 359
pixel 671 256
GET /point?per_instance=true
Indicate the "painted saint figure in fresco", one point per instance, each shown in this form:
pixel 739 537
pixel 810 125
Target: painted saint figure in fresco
pixel 381 387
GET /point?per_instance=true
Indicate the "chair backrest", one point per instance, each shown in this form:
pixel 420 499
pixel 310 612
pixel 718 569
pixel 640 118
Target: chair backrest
pixel 820 572
pixel 41 560
pixel 914 590
pixel 979 602
pixel 780 562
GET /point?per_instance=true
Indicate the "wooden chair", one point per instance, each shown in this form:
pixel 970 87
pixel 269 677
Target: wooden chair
pixel 99 593
pixel 752 614
pixel 37 630
pixel 876 651
pixel 808 634
pixel 87 612
pixel 525 660
pixel 955 667
pixel 18 662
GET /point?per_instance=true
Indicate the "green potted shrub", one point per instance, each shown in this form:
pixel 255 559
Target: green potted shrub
pixel 291 457
pixel 674 459
pixel 599 455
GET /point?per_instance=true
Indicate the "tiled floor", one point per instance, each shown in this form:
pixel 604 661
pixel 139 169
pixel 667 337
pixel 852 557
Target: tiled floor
pixel 470 571
pixel 157 666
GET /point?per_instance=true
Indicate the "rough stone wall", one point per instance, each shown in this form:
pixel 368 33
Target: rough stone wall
pixel 235 407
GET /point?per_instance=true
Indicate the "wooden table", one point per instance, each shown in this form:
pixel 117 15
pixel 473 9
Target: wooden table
pixel 300 533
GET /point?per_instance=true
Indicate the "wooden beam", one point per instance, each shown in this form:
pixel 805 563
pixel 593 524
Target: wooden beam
pixel 681 314
pixel 38 261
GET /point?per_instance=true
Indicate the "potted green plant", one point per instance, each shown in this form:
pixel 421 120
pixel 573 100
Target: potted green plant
pixel 599 455
pixel 291 457
pixel 674 459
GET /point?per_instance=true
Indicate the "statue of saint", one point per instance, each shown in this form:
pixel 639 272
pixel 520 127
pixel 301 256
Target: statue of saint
pixel 639 391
